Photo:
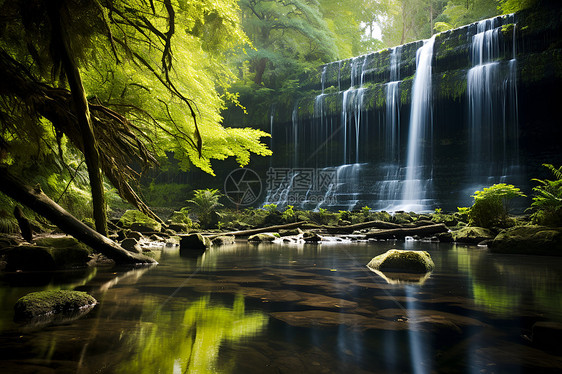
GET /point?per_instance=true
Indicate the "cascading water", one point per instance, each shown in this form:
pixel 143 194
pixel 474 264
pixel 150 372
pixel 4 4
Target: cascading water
pixel 369 138
pixel 417 184
pixel 492 107
pixel 389 188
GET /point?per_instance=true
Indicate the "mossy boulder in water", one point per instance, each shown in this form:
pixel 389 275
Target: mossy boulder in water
pixel 403 261
pixel 472 235
pixel 265 237
pixel 223 240
pixel 194 241
pixel 537 240
pixel 38 304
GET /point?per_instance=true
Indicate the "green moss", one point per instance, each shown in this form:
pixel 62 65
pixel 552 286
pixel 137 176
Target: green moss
pixel 36 304
pixel 403 261
pixel 531 239
pixel 472 235
pixel 134 216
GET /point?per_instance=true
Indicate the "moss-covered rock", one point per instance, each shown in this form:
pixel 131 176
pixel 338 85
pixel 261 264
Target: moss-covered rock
pixel 532 239
pixel 472 235
pixel 29 258
pixel 223 240
pixel 194 241
pixel 131 245
pixel 266 237
pixel 402 261
pixel 67 251
pixel 37 304
pixel 311 237
pixel 138 221
pixel 402 218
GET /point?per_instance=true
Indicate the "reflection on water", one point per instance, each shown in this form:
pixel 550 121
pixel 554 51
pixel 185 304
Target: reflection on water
pixel 188 341
pixel 297 309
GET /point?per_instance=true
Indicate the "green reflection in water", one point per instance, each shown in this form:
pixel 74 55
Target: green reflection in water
pixel 188 341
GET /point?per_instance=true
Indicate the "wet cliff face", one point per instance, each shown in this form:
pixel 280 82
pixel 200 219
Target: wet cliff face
pixel 492 116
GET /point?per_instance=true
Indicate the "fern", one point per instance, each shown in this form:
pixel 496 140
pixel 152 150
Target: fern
pixel 547 201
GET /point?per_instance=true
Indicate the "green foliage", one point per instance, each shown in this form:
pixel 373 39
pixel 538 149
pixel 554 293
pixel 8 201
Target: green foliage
pixel 181 217
pixel 8 223
pixel 512 6
pixel 547 199
pixel 131 217
pixel 289 214
pixel 490 206
pixel 165 194
pixel 270 208
pixel 345 215
pixel 205 204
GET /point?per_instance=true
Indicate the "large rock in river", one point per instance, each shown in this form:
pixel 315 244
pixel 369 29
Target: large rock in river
pixel 535 240
pixel 266 237
pixel 194 241
pixel 47 303
pixel 403 261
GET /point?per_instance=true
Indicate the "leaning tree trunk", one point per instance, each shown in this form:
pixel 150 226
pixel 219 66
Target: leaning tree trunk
pixel 61 44
pixel 35 199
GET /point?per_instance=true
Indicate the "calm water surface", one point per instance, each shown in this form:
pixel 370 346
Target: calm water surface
pixel 274 308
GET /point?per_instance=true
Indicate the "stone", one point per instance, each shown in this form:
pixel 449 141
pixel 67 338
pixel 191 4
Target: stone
pixel 445 237
pixel 131 245
pixel 403 261
pixel 194 241
pixel 402 217
pixel 133 234
pixel 311 237
pixel 223 240
pixel 29 258
pixel 290 232
pixel 146 227
pixel 71 257
pixel 531 239
pixel 472 235
pixel 266 237
pixel 37 304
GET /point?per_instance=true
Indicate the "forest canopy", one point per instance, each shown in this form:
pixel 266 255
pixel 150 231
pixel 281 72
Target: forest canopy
pixel 121 82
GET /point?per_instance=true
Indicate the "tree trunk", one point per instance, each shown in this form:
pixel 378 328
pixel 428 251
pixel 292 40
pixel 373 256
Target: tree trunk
pixel 249 232
pixel 40 203
pixel 61 43
pixel 260 69
pixel 400 233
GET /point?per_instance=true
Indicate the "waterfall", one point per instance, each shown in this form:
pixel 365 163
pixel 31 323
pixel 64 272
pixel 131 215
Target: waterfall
pixel 389 188
pixel 357 143
pixel 492 106
pixel 352 106
pixel 417 184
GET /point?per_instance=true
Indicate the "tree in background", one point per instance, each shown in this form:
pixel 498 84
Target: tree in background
pixel 122 82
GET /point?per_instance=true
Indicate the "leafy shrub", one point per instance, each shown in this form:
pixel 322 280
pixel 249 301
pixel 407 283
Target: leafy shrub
pixel 270 208
pixel 345 215
pixel 181 217
pixel 491 205
pixel 289 214
pixel 547 199
pixel 205 204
